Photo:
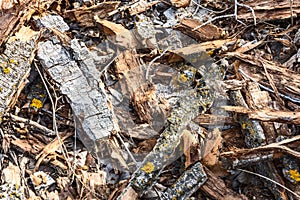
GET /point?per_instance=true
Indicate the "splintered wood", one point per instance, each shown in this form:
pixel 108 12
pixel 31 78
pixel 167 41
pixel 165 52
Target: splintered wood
pixel 270 9
pixel 268 115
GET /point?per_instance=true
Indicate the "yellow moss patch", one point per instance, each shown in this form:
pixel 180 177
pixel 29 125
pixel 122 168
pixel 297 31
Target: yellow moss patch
pixel 294 175
pixel 6 70
pixel 36 103
pixel 148 168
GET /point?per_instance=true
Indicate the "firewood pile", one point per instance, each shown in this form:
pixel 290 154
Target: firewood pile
pixel 173 99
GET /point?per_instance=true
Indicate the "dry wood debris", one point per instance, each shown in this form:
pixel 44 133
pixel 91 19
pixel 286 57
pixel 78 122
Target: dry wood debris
pixel 121 99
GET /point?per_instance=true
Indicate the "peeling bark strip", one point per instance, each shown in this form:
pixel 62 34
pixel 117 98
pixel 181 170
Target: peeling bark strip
pixel 15 66
pixel 77 80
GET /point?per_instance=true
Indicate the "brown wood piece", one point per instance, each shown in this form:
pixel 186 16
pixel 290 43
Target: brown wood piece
pixel 216 188
pixel 204 33
pixel 270 9
pixel 267 114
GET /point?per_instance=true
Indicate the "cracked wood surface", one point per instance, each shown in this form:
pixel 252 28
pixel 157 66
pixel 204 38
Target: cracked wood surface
pixel 77 79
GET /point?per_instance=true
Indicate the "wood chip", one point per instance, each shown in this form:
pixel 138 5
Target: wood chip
pixel 204 33
pixel 180 3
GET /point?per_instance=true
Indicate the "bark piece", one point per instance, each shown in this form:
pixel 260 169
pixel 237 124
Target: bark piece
pixel 41 180
pixel 79 80
pixel 85 15
pixel 204 33
pixel 255 137
pixel 15 66
pixel 216 188
pixel 14 14
pixel 189 182
pixel 188 51
pixel 270 9
pixel 12 187
pixel 141 6
pixel 285 80
pixel 180 3
pixel 190 104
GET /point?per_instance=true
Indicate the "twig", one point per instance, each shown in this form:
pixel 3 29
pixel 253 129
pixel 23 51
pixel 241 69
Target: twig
pixel 152 61
pixel 106 67
pixel 246 6
pixel 213 19
pixel 264 177
pixel 202 7
pixel 291 10
pixel 276 92
pixel 235 15
pixel 128 151
pixel 266 115
pixel 277 145
pixel 53 117
pixel 44 129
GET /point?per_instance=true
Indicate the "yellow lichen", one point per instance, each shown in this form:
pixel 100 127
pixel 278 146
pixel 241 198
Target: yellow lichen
pixel 6 70
pixel 183 78
pixel 148 168
pixel 36 103
pixel 244 125
pixel 13 61
pixel 295 175
pixel 210 52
